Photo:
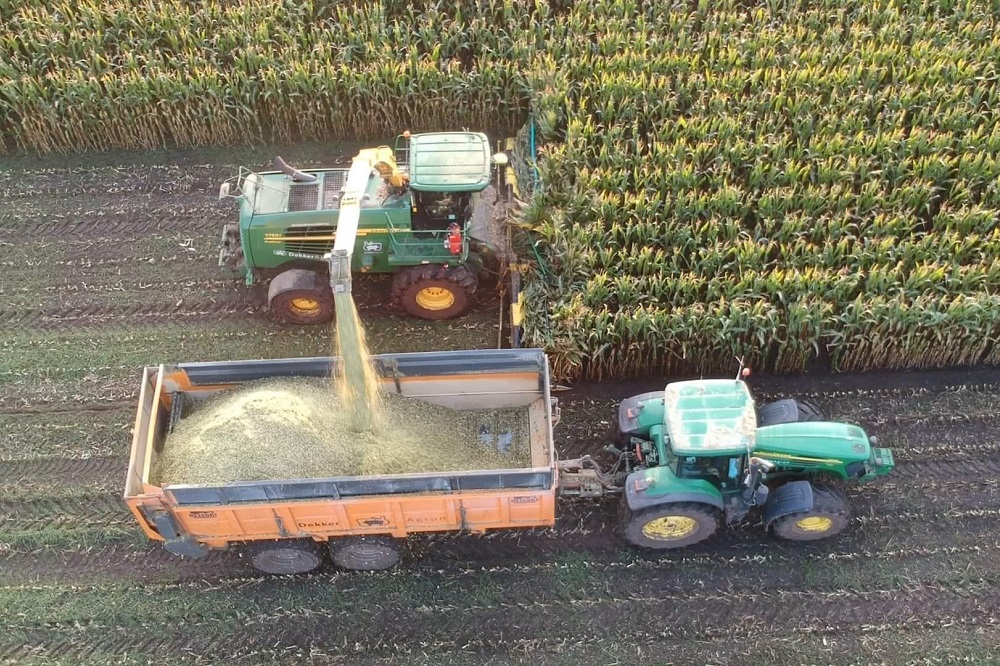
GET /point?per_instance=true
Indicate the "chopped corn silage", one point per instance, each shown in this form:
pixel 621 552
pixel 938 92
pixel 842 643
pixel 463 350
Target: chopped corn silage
pixel 357 385
pixel 292 428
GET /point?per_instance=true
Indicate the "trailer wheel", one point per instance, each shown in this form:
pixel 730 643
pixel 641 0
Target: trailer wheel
pixel 672 525
pixel 830 514
pixel 365 553
pixel 434 292
pixel 285 556
pixel 300 296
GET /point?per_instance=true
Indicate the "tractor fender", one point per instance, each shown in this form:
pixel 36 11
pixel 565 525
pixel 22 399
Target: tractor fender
pixel 790 498
pixel 293 278
pixel 668 489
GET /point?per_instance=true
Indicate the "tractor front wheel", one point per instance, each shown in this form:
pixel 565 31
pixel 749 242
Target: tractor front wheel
pixel 300 296
pixel 434 292
pixel 670 525
pixel 830 514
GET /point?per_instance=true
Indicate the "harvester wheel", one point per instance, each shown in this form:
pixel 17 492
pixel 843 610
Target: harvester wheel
pixel 830 514
pixel 670 525
pixel 365 553
pixel 300 296
pixel 285 556
pixel 434 292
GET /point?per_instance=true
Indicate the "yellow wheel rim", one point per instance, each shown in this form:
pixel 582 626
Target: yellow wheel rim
pixel 814 524
pixel 435 298
pixel 305 305
pixel 670 527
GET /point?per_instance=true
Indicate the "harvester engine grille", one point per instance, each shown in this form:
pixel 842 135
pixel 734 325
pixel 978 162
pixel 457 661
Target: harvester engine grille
pixel 303 197
pixel 314 239
pixel 333 187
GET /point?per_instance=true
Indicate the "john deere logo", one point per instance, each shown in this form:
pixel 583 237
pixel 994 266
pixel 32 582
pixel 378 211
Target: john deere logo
pixel 371 247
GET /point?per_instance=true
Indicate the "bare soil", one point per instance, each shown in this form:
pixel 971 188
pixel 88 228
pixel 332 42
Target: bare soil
pixel 108 264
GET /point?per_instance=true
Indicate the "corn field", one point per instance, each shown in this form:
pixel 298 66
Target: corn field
pixel 781 181
pixel 128 74
pixel 786 181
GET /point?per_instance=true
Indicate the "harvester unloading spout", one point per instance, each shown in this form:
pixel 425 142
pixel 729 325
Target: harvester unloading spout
pixel 339 258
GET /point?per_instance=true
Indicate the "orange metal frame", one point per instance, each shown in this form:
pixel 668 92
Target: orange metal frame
pixel 399 515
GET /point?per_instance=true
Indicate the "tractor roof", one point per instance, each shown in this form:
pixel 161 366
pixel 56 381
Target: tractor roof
pixel 449 162
pixel 710 417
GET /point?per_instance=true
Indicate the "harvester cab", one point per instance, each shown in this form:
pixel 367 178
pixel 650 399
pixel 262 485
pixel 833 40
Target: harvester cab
pixel 412 210
pixel 701 453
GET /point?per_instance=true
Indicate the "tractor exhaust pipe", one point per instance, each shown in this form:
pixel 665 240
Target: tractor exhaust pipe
pixel 296 175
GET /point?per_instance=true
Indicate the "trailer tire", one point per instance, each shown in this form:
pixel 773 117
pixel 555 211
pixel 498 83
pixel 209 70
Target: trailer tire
pixel 673 525
pixel 365 553
pixel 830 514
pixel 285 556
pixel 434 292
pixel 300 296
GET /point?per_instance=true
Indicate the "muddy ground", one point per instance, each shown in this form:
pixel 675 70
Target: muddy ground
pixel 108 264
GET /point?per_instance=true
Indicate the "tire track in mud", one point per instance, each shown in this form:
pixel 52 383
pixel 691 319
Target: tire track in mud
pixel 64 471
pixel 67 220
pixel 166 178
pixel 233 307
pixel 346 632
pixel 69 407
pixel 120 284
pixel 591 534
pixel 614 620
pixel 147 565
pixel 71 504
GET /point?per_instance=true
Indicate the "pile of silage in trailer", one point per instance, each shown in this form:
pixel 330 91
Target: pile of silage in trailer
pixel 296 428
pixel 779 181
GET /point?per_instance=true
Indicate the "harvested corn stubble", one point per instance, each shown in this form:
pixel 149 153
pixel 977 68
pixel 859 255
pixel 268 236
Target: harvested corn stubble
pixel 296 428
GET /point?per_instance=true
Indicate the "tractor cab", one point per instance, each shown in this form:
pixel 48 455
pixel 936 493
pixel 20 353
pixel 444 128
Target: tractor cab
pixel 446 170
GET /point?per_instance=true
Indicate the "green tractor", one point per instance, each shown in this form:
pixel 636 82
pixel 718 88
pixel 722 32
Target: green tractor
pixel 700 453
pixel 415 219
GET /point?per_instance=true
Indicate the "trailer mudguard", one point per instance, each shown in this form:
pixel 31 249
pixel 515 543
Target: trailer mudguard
pixel 652 487
pixel 790 498
pixel 174 541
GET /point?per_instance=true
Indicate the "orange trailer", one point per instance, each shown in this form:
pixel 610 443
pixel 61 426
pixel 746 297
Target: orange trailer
pixel 286 525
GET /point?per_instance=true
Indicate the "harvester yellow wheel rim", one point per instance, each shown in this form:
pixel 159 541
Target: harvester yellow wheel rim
pixel 305 305
pixel 814 524
pixel 670 527
pixel 435 298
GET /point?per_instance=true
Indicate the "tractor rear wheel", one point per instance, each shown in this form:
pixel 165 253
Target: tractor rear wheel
pixel 830 514
pixel 670 525
pixel 434 292
pixel 300 296
pixel 285 556
pixel 789 410
pixel 808 411
pixel 365 553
